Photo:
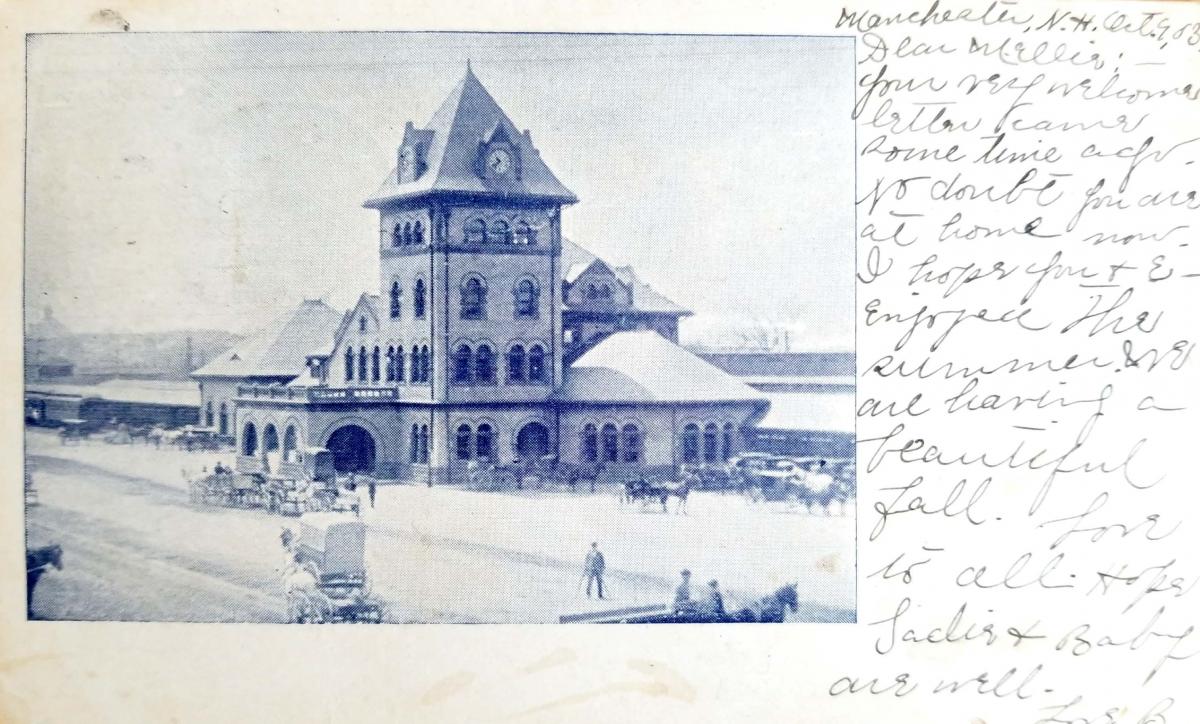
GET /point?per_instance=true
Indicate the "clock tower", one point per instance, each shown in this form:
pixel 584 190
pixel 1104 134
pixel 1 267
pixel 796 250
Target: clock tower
pixel 470 256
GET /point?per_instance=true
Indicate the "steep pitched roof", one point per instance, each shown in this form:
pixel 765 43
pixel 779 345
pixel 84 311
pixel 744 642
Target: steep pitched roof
pixel 644 366
pixel 278 349
pixel 576 260
pixel 467 118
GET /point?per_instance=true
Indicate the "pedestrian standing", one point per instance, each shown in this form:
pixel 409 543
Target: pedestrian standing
pixel 371 491
pixel 593 568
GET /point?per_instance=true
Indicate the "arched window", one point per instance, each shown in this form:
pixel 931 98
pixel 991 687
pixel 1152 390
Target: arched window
pixel 631 444
pixel 249 439
pixel 289 443
pixel 592 292
pixel 526 298
pixel 223 420
pixel 516 364
pixel 537 364
pixel 473 298
pixel 525 234
pixel 391 364
pixel 375 365
pixel 397 235
pixel 475 232
pixel 418 233
pixel 462 442
pixel 408 235
pixel 609 443
pixel 501 232
pixel 419 299
pixel 485 365
pixel 691 443
pixel 362 324
pixel 710 442
pixel 394 300
pixel 415 363
pixel 414 445
pixel 606 292
pixel 462 365
pixel 208 414
pixel 589 449
pixel 362 364
pixel 400 363
pixel 483 442
pixel 426 363
pixel 727 441
pixel 349 364
pixel 424 443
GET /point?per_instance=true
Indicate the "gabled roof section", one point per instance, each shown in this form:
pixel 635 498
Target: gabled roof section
pixel 468 118
pixel 644 366
pixel 278 349
pixel 576 260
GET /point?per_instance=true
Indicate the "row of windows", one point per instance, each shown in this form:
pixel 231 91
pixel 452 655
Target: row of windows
pixel 477 445
pixel 394 302
pixel 478 366
pixel 473 294
pixel 369 368
pixel 716 443
pixel 477 231
pixel 409 233
pixel 270 440
pixel 609 445
pixel 223 427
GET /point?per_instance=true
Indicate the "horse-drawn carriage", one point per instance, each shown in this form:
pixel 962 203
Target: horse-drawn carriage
pixel 772 608
pixel 649 490
pixel 797 481
pixel 326 580
pixel 195 438
pixel 309 484
pixel 531 474
pixel 73 431
pixel 227 488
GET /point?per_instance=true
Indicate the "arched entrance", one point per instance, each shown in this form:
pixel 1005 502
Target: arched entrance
pixel 249 439
pixel 270 447
pixel 533 441
pixel 353 450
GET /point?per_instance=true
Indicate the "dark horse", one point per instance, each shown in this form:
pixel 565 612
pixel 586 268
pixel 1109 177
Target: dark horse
pixel 37 561
pixel 646 491
pixel 770 609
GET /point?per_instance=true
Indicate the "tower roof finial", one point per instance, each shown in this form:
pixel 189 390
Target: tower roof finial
pixel 468 66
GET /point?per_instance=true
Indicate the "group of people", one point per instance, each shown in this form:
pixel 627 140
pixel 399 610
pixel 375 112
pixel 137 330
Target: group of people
pixel 710 604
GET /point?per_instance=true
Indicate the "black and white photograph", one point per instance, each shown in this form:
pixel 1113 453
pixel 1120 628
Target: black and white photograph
pixel 431 327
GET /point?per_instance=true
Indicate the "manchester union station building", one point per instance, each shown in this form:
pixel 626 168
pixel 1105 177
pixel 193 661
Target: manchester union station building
pixel 491 338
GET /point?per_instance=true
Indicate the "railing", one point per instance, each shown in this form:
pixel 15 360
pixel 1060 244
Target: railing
pixel 318 394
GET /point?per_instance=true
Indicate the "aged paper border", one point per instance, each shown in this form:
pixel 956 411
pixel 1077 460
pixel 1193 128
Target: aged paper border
pixel 130 672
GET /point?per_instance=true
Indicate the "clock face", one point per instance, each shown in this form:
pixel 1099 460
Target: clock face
pixel 499 161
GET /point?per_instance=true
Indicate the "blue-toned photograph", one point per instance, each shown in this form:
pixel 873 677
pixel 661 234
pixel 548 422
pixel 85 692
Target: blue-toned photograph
pixel 440 328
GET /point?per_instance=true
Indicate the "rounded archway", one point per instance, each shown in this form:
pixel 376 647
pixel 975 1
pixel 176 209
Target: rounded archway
pixel 533 441
pixel 249 439
pixel 270 447
pixel 353 450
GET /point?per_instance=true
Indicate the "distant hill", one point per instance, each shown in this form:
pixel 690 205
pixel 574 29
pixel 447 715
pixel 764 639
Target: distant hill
pixel 156 355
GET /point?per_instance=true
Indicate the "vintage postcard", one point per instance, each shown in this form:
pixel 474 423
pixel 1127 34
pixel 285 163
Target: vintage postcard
pixel 872 321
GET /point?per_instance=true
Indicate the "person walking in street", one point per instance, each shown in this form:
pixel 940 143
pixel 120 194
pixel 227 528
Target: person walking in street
pixel 371 492
pixel 593 568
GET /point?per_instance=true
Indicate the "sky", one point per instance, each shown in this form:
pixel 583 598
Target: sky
pixel 214 180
